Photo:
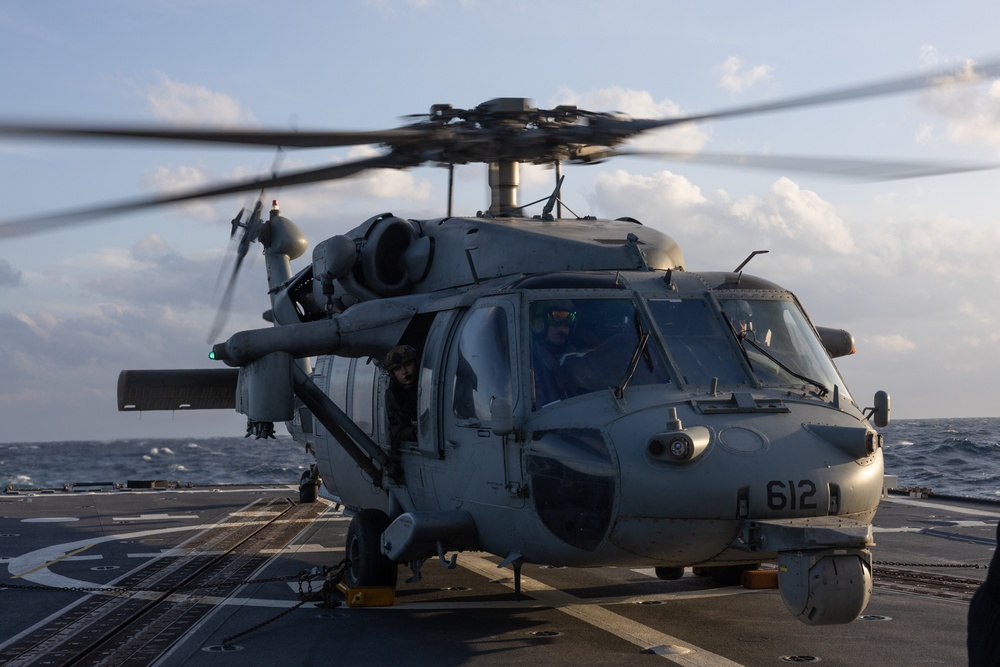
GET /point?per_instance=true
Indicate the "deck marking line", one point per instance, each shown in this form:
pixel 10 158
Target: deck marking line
pixel 939 506
pixel 635 633
pixel 54 560
pixel 154 517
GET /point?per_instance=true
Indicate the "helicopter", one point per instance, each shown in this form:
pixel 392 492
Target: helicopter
pixel 583 398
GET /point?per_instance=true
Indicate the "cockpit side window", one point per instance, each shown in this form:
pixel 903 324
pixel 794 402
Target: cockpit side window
pixel 585 345
pixel 480 368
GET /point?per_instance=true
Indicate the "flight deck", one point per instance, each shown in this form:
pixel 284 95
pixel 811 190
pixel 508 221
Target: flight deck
pixel 233 576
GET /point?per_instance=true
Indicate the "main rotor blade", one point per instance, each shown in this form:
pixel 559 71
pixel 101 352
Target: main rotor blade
pixel 45 222
pixel 860 169
pixel 247 137
pixel 934 79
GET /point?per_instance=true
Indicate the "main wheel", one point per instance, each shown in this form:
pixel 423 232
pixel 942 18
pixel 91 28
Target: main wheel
pixel 368 565
pixel 308 487
pixel 669 573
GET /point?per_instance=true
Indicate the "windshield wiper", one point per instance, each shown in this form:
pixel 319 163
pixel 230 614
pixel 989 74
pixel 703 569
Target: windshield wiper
pixel 640 351
pixel 744 336
pixel 739 337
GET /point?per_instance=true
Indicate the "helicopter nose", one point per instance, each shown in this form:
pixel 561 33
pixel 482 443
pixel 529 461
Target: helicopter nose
pixel 689 481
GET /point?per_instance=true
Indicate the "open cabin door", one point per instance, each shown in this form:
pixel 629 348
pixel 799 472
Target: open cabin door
pixel 478 376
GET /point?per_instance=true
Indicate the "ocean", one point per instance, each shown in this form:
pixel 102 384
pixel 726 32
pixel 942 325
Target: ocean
pixel 952 457
pixel 198 461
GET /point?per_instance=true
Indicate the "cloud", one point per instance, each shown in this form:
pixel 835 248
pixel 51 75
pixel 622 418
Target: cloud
pixel 146 306
pixel 397 8
pixel 969 110
pixel 152 274
pixel 664 190
pixel 929 56
pixel 893 343
pixel 786 217
pixel 956 253
pixel 687 138
pixel 796 213
pixel 375 190
pixel 188 103
pixel 9 277
pixel 737 77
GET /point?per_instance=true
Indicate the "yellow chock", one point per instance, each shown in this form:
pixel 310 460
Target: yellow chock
pixel 759 579
pixel 368 596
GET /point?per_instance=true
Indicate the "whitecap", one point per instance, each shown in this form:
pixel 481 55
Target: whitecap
pixel 154 451
pixel 147 457
pixel 167 450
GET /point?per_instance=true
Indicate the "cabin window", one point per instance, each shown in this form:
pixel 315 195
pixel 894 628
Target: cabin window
pixel 696 342
pixel 339 369
pixel 480 368
pixel 361 398
pixel 580 346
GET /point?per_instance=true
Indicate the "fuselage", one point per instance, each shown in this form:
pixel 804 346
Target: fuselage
pixel 691 406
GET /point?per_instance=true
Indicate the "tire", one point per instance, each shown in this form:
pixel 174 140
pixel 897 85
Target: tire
pixel 308 488
pixel 368 566
pixel 669 573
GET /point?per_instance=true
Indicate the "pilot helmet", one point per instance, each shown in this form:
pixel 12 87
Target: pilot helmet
pixel 399 355
pixel 558 312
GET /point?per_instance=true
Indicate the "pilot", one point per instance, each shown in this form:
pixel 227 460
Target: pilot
pixel 401 394
pixel 553 326
pixel 984 617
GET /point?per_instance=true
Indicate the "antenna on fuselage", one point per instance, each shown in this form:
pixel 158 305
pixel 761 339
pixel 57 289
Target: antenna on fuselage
pixel 747 260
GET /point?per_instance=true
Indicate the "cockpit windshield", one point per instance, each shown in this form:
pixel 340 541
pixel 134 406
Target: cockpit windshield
pixel 697 342
pixel 780 345
pixel 579 346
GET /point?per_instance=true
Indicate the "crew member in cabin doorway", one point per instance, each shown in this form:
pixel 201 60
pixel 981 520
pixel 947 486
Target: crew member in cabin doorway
pixel 401 394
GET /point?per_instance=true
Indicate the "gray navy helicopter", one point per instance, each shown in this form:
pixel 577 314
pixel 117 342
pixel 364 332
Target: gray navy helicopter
pixel 583 398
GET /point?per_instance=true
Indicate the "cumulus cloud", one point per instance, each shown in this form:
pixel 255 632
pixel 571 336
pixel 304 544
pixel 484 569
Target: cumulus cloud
pixel 968 110
pixel 189 103
pixel 893 343
pixel 951 250
pixel 794 212
pixel 687 138
pixel 368 190
pixel 787 216
pixel 145 306
pixel 151 273
pixel 9 277
pixel 736 77
pixel 664 190
pixel 63 365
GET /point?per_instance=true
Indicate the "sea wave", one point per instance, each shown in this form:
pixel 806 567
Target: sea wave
pixel 956 457
pixel 201 462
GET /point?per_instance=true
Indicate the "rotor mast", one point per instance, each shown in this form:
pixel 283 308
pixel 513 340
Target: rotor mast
pixel 505 176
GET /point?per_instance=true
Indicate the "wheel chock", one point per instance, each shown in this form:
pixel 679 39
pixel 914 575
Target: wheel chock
pixel 368 596
pixel 759 579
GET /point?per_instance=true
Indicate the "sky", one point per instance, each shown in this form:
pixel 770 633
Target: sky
pixel 907 266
